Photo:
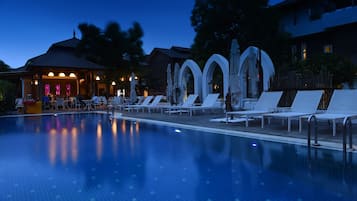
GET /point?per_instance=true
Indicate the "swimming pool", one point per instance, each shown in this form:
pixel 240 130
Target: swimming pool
pixel 91 157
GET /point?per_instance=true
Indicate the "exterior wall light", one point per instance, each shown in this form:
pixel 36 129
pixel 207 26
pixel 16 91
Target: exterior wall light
pixel 72 75
pixel 51 74
pixel 97 78
pixel 62 75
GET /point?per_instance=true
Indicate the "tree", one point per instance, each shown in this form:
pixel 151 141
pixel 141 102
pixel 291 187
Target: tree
pixel 4 67
pixel 118 50
pixel 7 91
pixel 342 69
pixel 217 22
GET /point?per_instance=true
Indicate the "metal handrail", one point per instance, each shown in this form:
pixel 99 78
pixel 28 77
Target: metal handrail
pixel 347 121
pixel 312 118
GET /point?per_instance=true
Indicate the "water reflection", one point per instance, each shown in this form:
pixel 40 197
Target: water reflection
pixel 52 146
pixel 64 145
pixel 99 141
pixel 74 145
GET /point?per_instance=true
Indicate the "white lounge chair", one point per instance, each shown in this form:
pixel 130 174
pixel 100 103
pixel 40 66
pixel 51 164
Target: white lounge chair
pixel 137 107
pixel 178 108
pixel 305 103
pixel 209 103
pixel 342 105
pixel 153 104
pixel 267 103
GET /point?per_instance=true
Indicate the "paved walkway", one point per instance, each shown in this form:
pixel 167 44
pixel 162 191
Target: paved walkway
pixel 275 129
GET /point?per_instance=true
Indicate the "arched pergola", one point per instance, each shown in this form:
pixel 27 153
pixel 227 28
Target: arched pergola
pixel 190 65
pixel 266 64
pixel 212 62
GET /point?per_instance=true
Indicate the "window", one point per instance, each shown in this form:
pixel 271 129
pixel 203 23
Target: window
pixel 58 89
pixel 68 89
pixel 328 49
pixel 303 51
pixel 47 89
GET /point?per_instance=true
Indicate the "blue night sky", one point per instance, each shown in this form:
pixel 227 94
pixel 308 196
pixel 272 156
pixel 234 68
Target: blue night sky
pixel 29 27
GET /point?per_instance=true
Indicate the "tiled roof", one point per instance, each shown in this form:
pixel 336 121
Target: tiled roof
pixel 70 43
pixel 62 59
pixel 174 52
pixel 62 55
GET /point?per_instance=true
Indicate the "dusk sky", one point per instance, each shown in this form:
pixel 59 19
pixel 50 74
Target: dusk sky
pixel 29 27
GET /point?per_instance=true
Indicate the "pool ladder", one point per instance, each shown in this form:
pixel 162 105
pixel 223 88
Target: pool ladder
pixel 347 122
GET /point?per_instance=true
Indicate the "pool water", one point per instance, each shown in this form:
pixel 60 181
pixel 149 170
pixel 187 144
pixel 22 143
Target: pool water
pixel 92 157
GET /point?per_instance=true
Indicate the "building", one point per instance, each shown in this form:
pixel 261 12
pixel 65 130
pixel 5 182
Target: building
pixel 59 72
pixel 157 62
pixel 324 26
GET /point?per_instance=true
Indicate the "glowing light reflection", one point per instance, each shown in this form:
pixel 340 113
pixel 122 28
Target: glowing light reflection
pixel 52 146
pixel 99 142
pixel 64 144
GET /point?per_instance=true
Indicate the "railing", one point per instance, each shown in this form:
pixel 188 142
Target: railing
pixel 347 121
pixel 312 118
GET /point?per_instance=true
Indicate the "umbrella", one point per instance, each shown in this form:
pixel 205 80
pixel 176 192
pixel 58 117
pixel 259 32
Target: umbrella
pixel 169 84
pixel 132 88
pixel 234 85
pixel 176 92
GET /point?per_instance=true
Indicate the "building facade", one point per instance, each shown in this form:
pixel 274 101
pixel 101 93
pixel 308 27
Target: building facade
pixel 157 62
pixel 59 72
pixel 323 26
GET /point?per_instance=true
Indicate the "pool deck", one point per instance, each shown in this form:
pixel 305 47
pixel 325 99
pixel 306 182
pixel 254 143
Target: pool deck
pixel 275 131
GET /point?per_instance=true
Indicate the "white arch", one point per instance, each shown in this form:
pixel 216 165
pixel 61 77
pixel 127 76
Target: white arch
pixel 208 70
pixel 197 76
pixel 267 66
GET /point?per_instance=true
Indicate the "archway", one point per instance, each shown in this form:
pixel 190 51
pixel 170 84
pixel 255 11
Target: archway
pixel 214 61
pixel 187 67
pixel 247 61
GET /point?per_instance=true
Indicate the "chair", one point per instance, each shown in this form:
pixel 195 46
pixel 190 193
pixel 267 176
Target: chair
pixel 60 103
pixel 95 102
pixel 177 108
pixel 19 104
pixel 137 107
pixel 342 105
pixel 153 104
pixel 267 103
pixel 209 103
pixel 305 103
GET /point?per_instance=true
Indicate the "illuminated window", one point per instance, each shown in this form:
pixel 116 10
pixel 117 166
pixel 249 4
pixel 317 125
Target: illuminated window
pixel 328 49
pixel 47 89
pixel 68 89
pixel 58 89
pixel 303 51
